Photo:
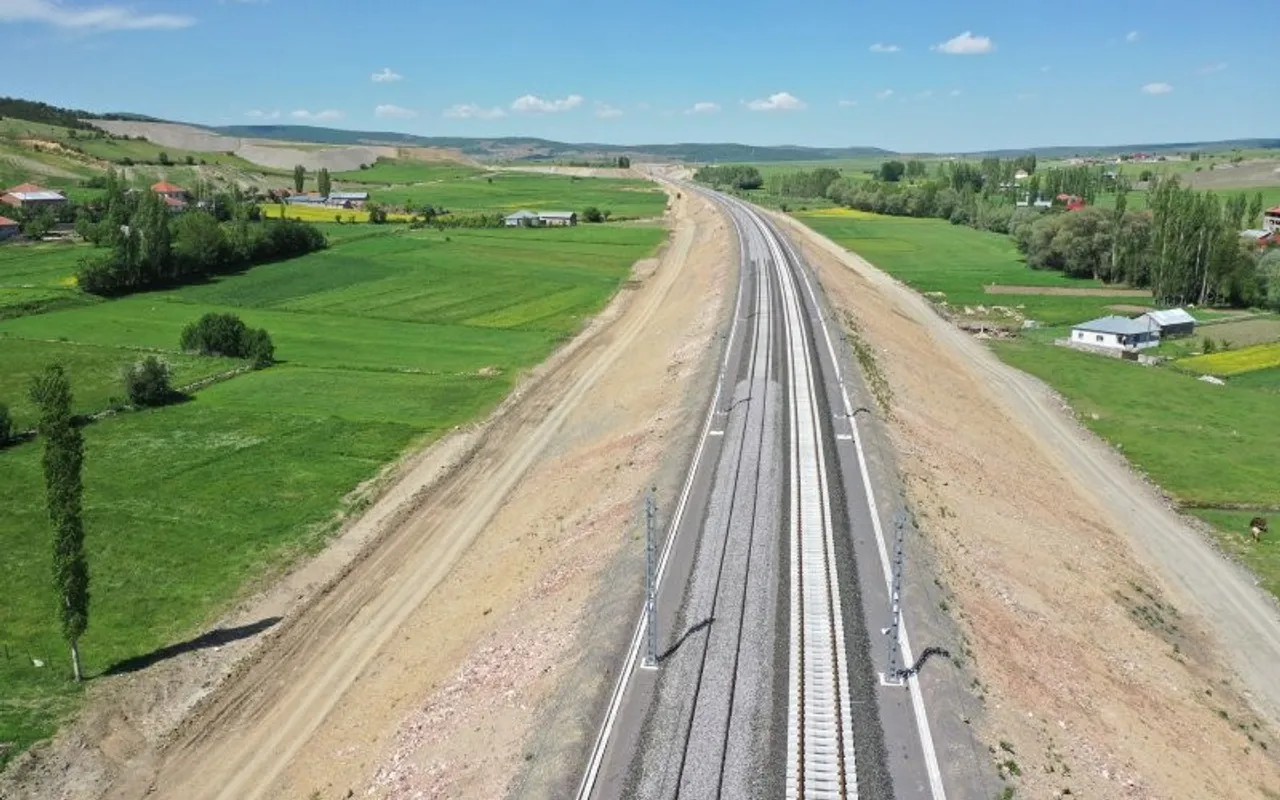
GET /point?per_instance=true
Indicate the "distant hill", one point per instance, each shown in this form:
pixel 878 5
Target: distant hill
pixel 32 111
pixel 524 148
pixel 1071 151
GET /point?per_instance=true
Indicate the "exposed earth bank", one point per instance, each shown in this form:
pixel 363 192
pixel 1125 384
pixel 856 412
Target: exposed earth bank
pixel 1099 673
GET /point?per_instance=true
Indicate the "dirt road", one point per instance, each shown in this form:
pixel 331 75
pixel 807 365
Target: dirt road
pixel 318 709
pixel 1107 635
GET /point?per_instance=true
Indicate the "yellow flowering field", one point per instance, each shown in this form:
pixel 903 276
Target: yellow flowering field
pixel 1235 362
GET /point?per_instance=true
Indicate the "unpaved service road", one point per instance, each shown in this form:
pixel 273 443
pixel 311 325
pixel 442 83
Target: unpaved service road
pixel 1117 654
pixel 420 672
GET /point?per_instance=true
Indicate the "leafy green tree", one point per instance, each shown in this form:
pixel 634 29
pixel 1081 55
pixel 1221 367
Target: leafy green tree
pixel 299 178
pixel 377 213
pixel 147 383
pixel 200 244
pixel 216 334
pixel 1195 156
pixel 63 461
pixel 322 182
pixel 592 214
pixel 1255 210
pixel 624 162
pixel 1269 275
pixel 191 161
pixel 916 169
pixel 892 171
pixel 163 158
pixel 6 425
pixel 259 348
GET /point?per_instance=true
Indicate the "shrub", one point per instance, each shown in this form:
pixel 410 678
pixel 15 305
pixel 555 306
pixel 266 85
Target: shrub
pixel 217 334
pixel 146 383
pixel 592 214
pixel 6 425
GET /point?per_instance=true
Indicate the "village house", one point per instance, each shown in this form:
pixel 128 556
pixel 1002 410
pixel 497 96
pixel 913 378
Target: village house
pixel 174 196
pixel 305 200
pixel 28 195
pixel 1116 333
pixel 8 228
pixel 1271 220
pixel 1071 201
pixel 1170 323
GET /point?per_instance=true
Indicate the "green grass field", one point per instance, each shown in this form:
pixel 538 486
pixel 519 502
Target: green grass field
pixel 510 191
pixel 387 338
pixel 935 256
pixel 391 171
pixel 1137 199
pixel 35 277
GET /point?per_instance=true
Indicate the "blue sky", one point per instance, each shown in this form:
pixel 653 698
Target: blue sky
pixel 912 75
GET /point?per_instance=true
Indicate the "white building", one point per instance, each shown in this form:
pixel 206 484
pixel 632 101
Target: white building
pixel 521 218
pixel 552 219
pixel 1117 333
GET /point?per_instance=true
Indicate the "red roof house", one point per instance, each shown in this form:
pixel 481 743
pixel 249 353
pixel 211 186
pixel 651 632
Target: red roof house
pixel 8 228
pixel 1071 201
pixel 28 194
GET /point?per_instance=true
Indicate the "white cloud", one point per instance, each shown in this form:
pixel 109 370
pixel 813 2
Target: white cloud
pixel 642 106
pixel 847 103
pixel 703 107
pixel 956 92
pixel 1131 37
pixel 319 116
pixel 884 95
pixel 532 104
pixel 606 111
pixel 1209 69
pixel 386 75
pixel 781 101
pixel 884 48
pixel 472 111
pixel 257 114
pixel 1157 88
pixel 925 95
pixel 92 19
pixel 389 111
pixel 966 44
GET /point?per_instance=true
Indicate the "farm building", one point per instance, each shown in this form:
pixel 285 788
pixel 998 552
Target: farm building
pixel 1116 333
pixel 552 219
pixel 1271 219
pixel 8 228
pixel 347 199
pixel 1170 322
pixel 519 218
pixel 28 195
pixel 305 200
pixel 557 218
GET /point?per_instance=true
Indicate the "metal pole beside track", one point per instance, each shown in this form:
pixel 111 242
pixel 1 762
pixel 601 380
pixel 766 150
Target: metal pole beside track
pixel 650 602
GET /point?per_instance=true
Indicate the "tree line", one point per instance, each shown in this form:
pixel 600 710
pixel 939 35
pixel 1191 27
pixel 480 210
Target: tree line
pixel 1186 246
pixel 145 246
pixel 730 176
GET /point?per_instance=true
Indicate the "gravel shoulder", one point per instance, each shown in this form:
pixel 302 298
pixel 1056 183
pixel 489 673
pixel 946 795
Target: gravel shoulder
pixel 1104 632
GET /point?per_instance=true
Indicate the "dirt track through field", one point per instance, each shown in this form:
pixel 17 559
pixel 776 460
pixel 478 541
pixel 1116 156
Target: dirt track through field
pixel 1116 651
pixel 248 735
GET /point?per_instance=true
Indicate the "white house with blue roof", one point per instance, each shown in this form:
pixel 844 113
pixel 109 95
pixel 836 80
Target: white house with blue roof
pixel 1117 333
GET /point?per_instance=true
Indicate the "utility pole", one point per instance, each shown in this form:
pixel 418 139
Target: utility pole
pixel 650 591
pixel 894 675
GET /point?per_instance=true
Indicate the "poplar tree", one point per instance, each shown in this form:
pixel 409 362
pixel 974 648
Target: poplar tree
pixel 299 178
pixel 322 182
pixel 63 459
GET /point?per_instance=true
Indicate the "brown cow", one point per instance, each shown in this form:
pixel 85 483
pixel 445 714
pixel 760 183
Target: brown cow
pixel 1257 527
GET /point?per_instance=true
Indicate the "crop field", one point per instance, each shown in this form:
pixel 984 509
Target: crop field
pixel 1137 200
pixel 387 338
pixel 511 191
pixel 1234 362
pixel 323 214
pixel 39 276
pixel 935 256
pixel 390 171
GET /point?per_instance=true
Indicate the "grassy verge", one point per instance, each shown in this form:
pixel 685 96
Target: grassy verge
pixel 388 338
pixel 509 191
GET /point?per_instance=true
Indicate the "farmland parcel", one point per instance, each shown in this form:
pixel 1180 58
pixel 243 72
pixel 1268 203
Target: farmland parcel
pixel 386 339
